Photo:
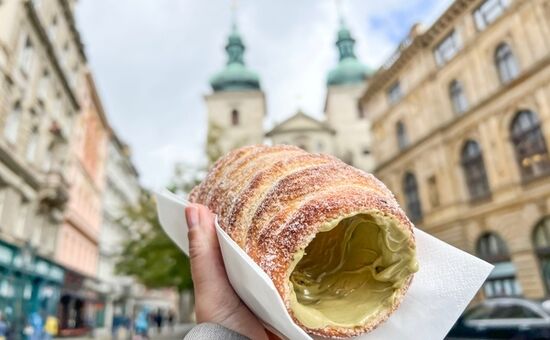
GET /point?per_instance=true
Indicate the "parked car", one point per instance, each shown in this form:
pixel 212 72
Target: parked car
pixel 504 318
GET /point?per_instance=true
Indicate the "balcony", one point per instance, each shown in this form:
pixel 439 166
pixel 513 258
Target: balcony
pixel 54 194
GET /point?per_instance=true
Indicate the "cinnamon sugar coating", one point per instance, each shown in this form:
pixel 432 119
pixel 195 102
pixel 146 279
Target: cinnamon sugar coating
pixel 272 201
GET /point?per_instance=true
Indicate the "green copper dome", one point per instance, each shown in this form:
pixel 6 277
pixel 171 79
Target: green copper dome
pixel 235 76
pixel 349 70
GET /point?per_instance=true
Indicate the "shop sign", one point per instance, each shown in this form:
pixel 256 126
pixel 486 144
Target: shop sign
pixel 56 273
pixel 6 255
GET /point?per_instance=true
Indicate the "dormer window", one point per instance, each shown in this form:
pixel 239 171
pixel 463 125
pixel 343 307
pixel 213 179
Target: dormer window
pixel 447 48
pixel 394 93
pixel 489 11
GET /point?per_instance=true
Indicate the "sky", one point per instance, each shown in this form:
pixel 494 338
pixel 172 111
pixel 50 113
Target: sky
pixel 152 60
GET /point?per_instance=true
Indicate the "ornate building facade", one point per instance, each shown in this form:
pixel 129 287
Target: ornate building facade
pixel 461 126
pixel 41 64
pixel 78 236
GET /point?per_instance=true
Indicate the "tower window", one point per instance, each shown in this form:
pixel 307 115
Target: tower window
pixel 234 117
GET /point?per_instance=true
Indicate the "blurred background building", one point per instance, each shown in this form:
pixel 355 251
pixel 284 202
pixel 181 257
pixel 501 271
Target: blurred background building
pixel 461 125
pixel 65 179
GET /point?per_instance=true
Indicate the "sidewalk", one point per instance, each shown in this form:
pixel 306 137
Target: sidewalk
pixel 167 334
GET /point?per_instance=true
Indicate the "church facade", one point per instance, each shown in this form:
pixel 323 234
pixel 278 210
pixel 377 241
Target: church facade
pixel 237 108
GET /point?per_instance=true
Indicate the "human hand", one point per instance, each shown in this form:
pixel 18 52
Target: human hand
pixel 215 299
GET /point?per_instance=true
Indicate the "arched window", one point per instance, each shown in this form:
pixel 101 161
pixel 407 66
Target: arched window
pixel 502 280
pixel 234 117
pixel 458 98
pixel 506 63
pixel 414 206
pixel 474 170
pixel 11 129
pixel 402 138
pixel 530 145
pixel 541 241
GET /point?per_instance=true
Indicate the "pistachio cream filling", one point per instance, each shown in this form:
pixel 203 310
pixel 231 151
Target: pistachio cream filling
pixel 351 271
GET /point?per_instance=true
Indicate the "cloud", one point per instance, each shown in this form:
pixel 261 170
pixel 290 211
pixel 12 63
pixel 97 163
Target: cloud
pixel 152 61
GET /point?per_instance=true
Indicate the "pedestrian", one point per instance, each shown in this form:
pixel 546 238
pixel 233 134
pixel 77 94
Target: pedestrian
pixel 171 320
pixel 51 327
pixel 3 328
pixel 141 324
pixel 159 319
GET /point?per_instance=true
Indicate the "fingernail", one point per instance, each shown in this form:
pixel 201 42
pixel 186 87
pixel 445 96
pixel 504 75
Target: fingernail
pixel 192 214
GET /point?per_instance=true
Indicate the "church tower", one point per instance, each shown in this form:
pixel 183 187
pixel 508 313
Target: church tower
pixel 236 107
pixel 345 85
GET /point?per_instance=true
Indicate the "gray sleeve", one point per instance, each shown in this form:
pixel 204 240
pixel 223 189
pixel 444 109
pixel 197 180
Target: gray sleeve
pixel 207 331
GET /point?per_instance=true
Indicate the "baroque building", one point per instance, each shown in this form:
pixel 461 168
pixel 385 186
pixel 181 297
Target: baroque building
pixel 461 126
pixel 237 108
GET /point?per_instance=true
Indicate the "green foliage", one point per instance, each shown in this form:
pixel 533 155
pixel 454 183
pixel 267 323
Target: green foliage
pixel 149 255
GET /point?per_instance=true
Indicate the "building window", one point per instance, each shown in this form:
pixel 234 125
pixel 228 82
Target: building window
pixel 541 241
pixel 447 48
pixel 402 137
pixel 474 170
pixel 433 191
pixel 21 221
pixel 360 112
pixel 43 85
pixel 530 145
pixel 394 93
pixel 502 280
pixel 234 117
pixel 26 55
pixel 52 30
pixel 488 12
pixel 506 64
pixel 32 145
pixel 458 97
pixel 11 129
pixel 414 207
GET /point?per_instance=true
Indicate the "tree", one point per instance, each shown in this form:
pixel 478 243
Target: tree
pixel 150 255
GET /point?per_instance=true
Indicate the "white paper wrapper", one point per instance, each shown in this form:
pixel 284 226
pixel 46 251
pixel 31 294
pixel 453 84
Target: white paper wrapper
pixel 447 280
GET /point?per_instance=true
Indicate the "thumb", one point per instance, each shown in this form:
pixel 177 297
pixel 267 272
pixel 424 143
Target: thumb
pixel 204 250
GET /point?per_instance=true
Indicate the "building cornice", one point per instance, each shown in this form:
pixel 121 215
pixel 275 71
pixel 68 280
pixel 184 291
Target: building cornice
pixel 9 158
pixel 97 101
pixel 408 49
pixel 51 53
pixel 67 12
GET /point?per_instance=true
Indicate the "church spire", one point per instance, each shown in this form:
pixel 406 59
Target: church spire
pixel 235 76
pixel 349 69
pixel 235 47
pixel 345 42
